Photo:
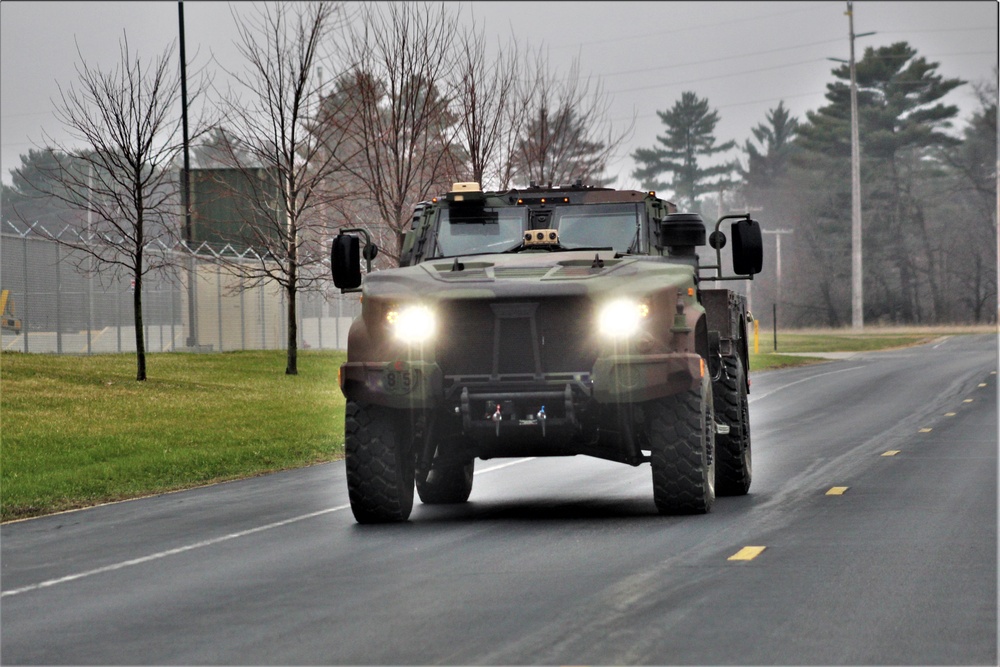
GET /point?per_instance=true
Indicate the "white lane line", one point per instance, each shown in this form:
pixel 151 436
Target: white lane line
pixel 170 552
pixel 504 465
pixel 806 379
pixel 940 343
pixel 205 543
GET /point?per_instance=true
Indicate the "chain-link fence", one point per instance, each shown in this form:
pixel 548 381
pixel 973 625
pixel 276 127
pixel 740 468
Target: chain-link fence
pixel 55 300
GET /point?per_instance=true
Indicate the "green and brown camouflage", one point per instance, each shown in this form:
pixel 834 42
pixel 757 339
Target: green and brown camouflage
pixel 539 322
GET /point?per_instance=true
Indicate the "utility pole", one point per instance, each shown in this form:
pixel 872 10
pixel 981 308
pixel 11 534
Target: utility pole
pixel 777 267
pixel 857 282
pixel 777 255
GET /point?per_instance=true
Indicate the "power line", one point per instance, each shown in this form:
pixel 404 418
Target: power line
pixel 906 32
pixel 690 28
pixel 727 75
pixel 712 78
pixel 742 56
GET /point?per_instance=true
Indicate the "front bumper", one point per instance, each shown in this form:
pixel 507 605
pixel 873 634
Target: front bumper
pixel 612 380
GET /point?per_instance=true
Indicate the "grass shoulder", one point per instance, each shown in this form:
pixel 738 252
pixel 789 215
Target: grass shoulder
pixel 79 431
pixel 801 347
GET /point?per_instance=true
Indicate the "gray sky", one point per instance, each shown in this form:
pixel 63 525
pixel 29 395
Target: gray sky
pixel 744 57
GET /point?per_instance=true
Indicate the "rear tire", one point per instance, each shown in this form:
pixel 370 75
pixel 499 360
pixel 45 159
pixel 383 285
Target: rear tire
pixel 447 485
pixel 379 461
pixel 734 468
pixel 681 435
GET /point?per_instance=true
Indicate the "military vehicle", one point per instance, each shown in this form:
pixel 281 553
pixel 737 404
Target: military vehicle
pixel 548 321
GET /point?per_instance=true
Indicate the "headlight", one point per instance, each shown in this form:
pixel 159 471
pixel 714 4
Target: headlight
pixel 412 324
pixel 622 318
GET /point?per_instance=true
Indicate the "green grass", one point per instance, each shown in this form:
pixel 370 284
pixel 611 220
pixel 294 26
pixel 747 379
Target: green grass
pixel 771 361
pixel 830 340
pixel 845 342
pixel 77 431
pixel 804 343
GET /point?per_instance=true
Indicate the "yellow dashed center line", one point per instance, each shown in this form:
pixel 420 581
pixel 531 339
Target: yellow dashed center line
pixel 837 491
pixel 949 414
pixel 982 384
pixel 926 430
pixel 747 553
pixel 891 452
pixel 968 400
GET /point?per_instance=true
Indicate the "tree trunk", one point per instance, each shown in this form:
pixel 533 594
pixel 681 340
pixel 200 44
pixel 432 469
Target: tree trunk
pixel 292 367
pixel 140 338
pixel 939 313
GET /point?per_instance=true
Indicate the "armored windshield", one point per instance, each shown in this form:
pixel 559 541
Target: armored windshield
pixel 495 230
pixel 600 226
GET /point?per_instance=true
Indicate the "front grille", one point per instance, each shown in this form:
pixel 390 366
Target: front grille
pixel 516 337
pixel 465 346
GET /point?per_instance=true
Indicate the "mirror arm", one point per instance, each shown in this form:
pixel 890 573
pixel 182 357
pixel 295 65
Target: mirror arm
pixel 368 242
pixel 718 251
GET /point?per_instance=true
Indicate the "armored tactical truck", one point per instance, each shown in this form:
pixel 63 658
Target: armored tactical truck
pixel 555 321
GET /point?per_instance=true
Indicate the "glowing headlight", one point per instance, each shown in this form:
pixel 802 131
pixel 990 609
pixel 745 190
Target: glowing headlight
pixel 412 324
pixel 622 318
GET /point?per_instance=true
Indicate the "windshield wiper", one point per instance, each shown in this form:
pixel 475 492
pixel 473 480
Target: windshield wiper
pixel 467 254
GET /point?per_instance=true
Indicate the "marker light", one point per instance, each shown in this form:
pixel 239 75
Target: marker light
pixel 622 318
pixel 412 324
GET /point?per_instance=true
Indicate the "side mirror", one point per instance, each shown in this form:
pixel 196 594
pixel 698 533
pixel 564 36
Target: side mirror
pixel 748 247
pixel 345 261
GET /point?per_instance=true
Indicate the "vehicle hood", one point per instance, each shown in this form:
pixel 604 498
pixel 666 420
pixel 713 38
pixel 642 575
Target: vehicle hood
pixel 528 275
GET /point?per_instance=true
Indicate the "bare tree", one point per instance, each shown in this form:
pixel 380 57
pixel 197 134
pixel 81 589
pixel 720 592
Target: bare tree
pixel 488 104
pixel 567 135
pixel 285 159
pixel 401 54
pixel 123 179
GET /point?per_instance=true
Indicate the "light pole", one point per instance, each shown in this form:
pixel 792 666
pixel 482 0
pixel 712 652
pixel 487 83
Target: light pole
pixel 192 339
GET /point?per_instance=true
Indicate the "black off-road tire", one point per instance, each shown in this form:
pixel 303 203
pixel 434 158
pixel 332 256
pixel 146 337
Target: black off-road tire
pixel 734 468
pixel 681 437
pixel 379 462
pixel 447 485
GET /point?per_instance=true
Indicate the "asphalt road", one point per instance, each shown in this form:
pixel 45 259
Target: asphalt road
pixel 564 561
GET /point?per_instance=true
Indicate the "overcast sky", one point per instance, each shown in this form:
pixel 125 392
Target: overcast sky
pixel 744 57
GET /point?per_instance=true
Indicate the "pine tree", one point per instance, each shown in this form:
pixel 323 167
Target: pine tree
pixel 901 123
pixel 765 168
pixel 690 128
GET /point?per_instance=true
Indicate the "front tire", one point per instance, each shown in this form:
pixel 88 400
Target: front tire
pixel 379 461
pixel 681 435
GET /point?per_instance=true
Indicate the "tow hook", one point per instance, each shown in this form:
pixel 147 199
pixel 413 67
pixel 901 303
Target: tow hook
pixel 496 419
